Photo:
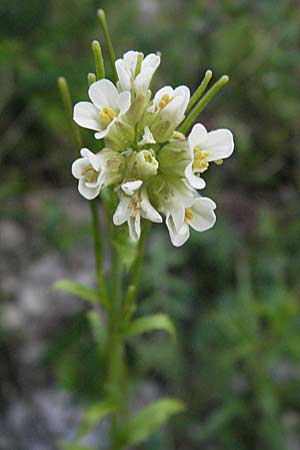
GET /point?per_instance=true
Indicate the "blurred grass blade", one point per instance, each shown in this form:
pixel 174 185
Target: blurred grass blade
pixel 152 417
pixel 150 323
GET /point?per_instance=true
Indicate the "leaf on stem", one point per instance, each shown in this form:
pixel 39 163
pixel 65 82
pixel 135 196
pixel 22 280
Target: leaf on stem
pixel 92 416
pixel 73 446
pixel 152 417
pixel 81 290
pixel 150 323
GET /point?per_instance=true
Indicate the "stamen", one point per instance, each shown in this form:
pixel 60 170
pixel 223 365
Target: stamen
pixel 188 214
pixel 134 206
pixel 106 115
pixel 199 157
pixel 90 174
pixel 165 99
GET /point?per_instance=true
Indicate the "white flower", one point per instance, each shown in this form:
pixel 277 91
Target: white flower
pixel 199 214
pixel 88 170
pixel 206 147
pixel 107 107
pixel 132 206
pixel 135 72
pixel 168 110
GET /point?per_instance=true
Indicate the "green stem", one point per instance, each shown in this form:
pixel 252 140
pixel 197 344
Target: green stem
pixel 98 253
pixel 202 103
pixel 111 52
pixel 116 361
pixel 132 291
pixel 67 101
pixel 201 88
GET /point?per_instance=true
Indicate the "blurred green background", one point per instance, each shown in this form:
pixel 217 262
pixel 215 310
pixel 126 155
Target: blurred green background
pixel 232 292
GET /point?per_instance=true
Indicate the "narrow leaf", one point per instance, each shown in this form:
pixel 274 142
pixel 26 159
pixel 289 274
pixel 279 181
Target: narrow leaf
pixel 81 290
pixel 149 323
pixel 73 446
pixel 91 417
pixel 152 417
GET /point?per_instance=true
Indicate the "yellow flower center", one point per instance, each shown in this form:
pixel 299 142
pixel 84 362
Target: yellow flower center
pixel 188 214
pixel 165 99
pixel 90 174
pixel 106 115
pixel 199 159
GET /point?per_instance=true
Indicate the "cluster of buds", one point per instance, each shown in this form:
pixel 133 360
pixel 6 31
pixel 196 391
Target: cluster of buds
pixel 154 168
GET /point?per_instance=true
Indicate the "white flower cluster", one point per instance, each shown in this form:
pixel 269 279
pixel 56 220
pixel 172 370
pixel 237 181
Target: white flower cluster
pixel 154 169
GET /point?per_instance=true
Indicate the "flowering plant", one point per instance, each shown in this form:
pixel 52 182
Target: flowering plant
pixel 146 164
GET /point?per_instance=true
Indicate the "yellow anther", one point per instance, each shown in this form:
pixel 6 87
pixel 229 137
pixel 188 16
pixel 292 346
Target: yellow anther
pixel 90 174
pixel 106 115
pixel 134 207
pixel 165 99
pixel 199 157
pixel 188 214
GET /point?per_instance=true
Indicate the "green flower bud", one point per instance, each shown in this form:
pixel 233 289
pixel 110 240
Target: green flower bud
pixel 173 158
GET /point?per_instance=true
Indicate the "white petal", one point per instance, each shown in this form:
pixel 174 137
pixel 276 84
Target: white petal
pixel 178 238
pixel 147 137
pixel 131 186
pixel 124 102
pixel 130 59
pixel 152 61
pixel 86 115
pixel 134 225
pixel 177 213
pixel 203 214
pixel 219 144
pixel 86 192
pixel 95 160
pixel 77 167
pixel 124 82
pixel 104 93
pixel 148 212
pixel 122 212
pixel 197 136
pixel 166 90
pixel 195 181
pixel 102 134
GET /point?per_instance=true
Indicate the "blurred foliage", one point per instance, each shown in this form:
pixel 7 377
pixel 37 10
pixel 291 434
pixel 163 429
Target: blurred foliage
pixel 233 292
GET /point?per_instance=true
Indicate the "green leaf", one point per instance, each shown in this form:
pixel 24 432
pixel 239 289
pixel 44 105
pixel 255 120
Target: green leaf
pixel 81 290
pixel 152 417
pixel 73 446
pixel 149 323
pixel 91 417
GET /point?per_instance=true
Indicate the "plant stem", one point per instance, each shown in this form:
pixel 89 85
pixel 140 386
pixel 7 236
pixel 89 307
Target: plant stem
pixel 202 103
pixel 115 350
pixel 132 291
pixel 98 253
pixel 111 52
